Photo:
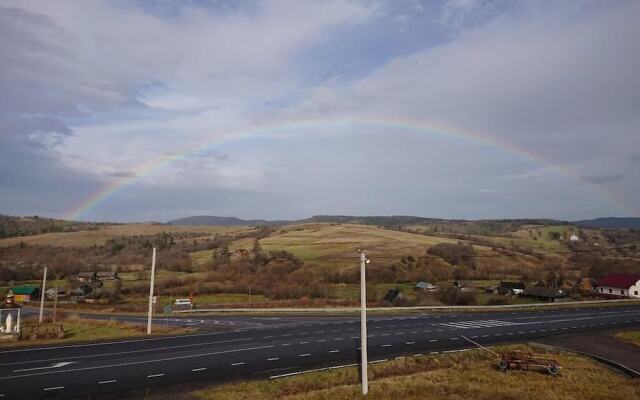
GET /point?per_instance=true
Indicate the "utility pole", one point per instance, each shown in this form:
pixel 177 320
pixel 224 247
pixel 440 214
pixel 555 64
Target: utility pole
pixel 363 322
pixel 42 294
pixel 151 284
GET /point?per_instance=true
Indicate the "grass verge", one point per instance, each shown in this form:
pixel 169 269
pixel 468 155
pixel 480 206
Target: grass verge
pixel 454 376
pixel 77 330
pixel 629 336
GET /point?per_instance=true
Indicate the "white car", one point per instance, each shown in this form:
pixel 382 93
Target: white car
pixel 183 302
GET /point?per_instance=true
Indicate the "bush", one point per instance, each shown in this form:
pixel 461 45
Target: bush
pixel 454 253
pixel 455 297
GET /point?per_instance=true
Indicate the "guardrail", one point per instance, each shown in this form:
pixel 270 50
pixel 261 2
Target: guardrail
pixel 393 309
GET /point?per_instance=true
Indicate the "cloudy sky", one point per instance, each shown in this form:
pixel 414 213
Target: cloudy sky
pixel 153 110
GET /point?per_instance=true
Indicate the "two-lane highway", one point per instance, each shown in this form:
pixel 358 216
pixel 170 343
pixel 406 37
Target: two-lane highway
pixel 276 349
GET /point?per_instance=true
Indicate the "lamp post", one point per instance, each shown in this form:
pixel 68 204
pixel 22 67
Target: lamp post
pixel 151 284
pixel 42 294
pixel 363 322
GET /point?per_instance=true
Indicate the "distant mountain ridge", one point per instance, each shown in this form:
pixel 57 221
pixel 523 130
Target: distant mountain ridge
pixel 610 223
pixel 387 221
pixel 205 220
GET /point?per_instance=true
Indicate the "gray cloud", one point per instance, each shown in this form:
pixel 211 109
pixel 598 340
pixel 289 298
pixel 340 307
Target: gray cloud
pixel 123 174
pixel 190 99
pixel 603 179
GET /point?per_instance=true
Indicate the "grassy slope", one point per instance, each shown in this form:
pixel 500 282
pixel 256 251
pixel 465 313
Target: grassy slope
pixel 470 375
pixel 100 236
pixel 311 242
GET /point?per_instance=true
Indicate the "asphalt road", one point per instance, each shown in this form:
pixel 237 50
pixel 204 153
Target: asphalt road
pixel 279 347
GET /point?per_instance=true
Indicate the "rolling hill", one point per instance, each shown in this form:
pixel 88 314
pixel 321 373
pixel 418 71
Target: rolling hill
pixel 611 223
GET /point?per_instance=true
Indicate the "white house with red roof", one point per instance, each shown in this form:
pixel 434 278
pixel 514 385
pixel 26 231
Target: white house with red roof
pixel 620 285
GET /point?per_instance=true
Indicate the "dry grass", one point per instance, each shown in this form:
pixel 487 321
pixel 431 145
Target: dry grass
pixel 101 235
pixel 630 336
pixel 313 241
pixel 88 330
pixel 470 375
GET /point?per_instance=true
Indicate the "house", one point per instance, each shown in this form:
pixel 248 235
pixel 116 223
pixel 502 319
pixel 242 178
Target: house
pixel 240 252
pixel 619 285
pixel 544 293
pixel 58 292
pixel 86 276
pixel 511 288
pixel 463 286
pixel 425 286
pixel 84 290
pixel 491 290
pixel 106 276
pixel 25 293
pixel 393 295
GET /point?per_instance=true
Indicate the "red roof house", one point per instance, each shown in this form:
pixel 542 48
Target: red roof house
pixel 620 285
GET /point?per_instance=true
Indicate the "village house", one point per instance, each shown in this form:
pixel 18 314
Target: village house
pixel 464 286
pixel 425 286
pixel 619 285
pixel 59 292
pixel 545 293
pixel 106 276
pixel 511 288
pixel 25 293
pixel 86 276
pixel 82 291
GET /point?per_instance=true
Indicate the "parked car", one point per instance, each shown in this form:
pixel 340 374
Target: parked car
pixel 183 302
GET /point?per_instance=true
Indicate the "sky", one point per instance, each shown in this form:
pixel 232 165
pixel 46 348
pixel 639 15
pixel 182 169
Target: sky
pixel 114 110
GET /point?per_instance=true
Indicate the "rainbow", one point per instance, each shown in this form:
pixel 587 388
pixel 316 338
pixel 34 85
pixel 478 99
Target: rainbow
pixel 274 128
